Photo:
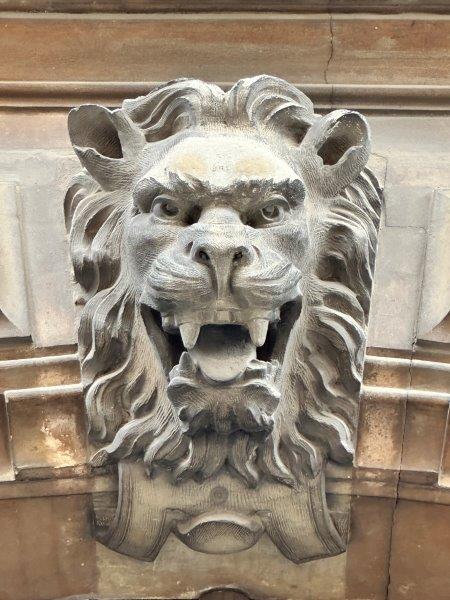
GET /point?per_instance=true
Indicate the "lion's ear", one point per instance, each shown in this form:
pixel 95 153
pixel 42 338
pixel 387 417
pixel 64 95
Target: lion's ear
pixel 334 151
pixel 106 142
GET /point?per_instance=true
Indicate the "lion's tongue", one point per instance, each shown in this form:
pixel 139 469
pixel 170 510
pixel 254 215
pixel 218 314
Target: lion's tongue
pixel 223 352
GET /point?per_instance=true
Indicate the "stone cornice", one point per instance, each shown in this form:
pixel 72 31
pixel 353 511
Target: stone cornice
pixel 373 62
pixel 384 98
pixel 289 6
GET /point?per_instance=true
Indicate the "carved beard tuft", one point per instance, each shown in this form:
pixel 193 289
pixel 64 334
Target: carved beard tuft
pixel 247 404
pixel 209 452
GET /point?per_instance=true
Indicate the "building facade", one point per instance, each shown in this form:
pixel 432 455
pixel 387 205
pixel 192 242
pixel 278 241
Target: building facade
pixel 390 62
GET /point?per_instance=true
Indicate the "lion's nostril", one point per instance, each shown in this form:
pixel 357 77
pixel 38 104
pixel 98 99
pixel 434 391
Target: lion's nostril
pixel 203 256
pixel 220 257
pixel 198 253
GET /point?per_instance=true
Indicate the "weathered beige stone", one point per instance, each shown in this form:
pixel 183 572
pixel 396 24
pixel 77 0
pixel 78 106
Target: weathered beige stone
pixel 419 552
pixel 397 287
pixel 41 178
pixel 14 321
pixel 367 573
pixel 380 429
pixel 47 428
pixel 435 299
pixel 42 371
pixel 46 549
pixel 251 571
pixel 387 372
pixel 423 439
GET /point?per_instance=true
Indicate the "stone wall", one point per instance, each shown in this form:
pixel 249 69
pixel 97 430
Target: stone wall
pixel 395 69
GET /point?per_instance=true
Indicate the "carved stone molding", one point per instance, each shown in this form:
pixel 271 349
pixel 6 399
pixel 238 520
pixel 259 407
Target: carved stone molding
pixel 346 56
pixel 380 98
pixel 224 244
pixel 434 319
pixel 296 6
pixel 14 318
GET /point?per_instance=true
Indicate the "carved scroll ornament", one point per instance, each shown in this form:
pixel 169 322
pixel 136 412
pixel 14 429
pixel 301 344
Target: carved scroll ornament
pixel 224 243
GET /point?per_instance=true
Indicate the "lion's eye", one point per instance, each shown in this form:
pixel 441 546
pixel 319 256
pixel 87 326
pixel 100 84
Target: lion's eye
pixel 165 207
pixel 273 212
pixel 169 209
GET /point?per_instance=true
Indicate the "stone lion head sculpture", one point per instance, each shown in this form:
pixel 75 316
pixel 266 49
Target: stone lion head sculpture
pixel 224 243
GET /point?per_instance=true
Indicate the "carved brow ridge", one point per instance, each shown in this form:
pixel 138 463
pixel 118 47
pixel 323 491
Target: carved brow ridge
pixel 291 188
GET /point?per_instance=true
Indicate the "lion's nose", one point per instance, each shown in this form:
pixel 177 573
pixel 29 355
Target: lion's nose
pixel 221 259
pixel 206 255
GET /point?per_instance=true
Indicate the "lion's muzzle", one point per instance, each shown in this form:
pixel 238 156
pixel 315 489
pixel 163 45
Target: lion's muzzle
pixel 221 287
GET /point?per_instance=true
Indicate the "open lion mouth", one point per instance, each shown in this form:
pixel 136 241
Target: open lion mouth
pixel 224 365
pixel 222 342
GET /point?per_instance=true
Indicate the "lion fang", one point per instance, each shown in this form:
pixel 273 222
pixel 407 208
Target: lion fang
pixel 189 334
pixel 258 331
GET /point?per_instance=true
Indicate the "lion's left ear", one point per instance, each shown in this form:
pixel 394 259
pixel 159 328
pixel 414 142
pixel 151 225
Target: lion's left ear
pixel 106 142
pixel 334 151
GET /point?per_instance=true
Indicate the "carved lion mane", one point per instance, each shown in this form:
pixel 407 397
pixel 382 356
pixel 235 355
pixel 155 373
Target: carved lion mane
pixel 320 342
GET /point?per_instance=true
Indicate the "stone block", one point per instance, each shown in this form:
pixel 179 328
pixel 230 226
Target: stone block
pixel 419 566
pixel 380 429
pixel 365 50
pixel 42 178
pixel 42 371
pixel 435 299
pixel 410 187
pixel 383 49
pixel 424 433
pixel 33 130
pixel 367 573
pixel 407 204
pixel 375 483
pixel 397 286
pixel 177 574
pixel 14 319
pixel 420 138
pixel 387 372
pixel 47 428
pixel 430 375
pixel 160 48
pixel 46 550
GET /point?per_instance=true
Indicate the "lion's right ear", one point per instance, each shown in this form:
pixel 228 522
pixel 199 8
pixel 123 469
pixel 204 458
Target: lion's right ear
pixel 107 144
